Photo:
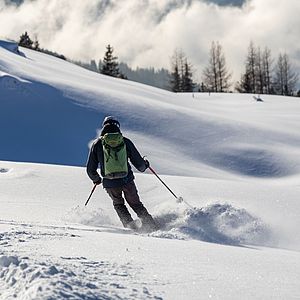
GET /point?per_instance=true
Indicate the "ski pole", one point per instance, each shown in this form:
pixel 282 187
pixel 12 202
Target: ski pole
pixel 87 201
pixel 179 199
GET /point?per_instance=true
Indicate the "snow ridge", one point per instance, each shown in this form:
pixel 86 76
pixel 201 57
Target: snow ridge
pixel 14 84
pixel 11 46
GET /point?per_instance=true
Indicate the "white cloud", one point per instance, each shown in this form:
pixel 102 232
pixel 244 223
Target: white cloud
pixel 146 33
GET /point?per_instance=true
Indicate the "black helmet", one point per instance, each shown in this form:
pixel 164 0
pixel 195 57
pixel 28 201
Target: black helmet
pixel 110 120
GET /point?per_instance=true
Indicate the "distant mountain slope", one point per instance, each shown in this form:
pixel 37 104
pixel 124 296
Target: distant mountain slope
pixel 50 110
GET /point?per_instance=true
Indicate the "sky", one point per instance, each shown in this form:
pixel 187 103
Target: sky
pixel 147 32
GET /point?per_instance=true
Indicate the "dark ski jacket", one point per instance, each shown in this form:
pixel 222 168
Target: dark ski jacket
pixel 96 158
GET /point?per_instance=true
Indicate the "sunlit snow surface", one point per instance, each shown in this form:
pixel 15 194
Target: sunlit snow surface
pixel 234 161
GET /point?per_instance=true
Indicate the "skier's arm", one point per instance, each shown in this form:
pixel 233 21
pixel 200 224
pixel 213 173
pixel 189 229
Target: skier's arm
pixel 92 166
pixel 135 157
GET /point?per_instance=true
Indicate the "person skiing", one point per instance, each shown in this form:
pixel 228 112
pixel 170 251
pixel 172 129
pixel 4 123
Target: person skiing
pixel 112 151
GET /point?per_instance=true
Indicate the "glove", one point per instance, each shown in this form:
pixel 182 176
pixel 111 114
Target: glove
pixel 147 164
pixel 99 181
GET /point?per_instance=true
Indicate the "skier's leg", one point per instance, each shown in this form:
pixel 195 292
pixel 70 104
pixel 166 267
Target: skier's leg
pixel 119 205
pixel 133 199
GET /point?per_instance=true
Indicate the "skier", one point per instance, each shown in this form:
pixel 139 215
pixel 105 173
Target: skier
pixel 112 151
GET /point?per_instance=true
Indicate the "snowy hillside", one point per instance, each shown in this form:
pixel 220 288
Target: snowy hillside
pixel 54 248
pixel 229 132
pixel 234 160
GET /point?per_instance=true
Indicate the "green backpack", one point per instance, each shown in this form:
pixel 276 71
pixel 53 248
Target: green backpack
pixel 115 156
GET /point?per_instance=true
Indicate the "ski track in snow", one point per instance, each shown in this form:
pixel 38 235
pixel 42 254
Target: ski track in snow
pixel 214 223
pixel 28 277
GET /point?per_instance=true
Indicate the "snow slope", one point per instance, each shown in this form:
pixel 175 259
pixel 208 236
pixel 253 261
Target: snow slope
pixel 53 247
pixel 228 132
pixel 235 161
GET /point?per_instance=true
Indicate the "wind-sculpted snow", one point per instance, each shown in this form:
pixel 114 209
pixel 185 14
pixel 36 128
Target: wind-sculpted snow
pixel 11 46
pixel 13 84
pixel 70 278
pixel 253 162
pixel 60 107
pixel 215 223
pixel 33 108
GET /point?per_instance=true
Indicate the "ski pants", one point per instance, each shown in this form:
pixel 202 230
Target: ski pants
pixel 132 198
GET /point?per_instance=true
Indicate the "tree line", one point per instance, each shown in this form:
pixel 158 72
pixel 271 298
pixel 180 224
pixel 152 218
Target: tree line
pixel 261 75
pixel 110 66
pixel 27 42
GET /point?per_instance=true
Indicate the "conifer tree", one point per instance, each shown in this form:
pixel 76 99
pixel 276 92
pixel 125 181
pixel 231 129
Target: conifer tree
pixel 245 85
pixel 210 75
pixel 285 78
pixel 25 40
pixel 216 76
pixel 110 65
pixel 181 78
pixel 259 73
pixel 93 66
pixel 267 62
pixel 251 68
pixel 187 80
pixel 257 77
pixel 175 79
pixel 36 45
